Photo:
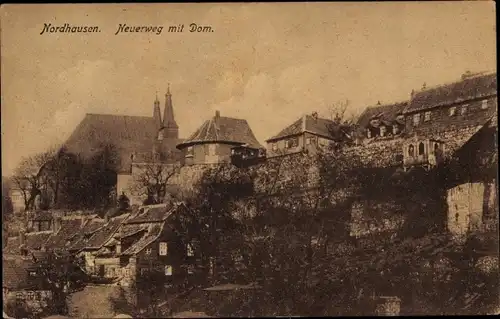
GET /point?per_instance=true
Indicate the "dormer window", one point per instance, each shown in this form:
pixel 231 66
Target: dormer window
pixel 484 104
pixel 427 116
pixel 382 130
pixel 416 119
pixel 463 110
pixel 453 111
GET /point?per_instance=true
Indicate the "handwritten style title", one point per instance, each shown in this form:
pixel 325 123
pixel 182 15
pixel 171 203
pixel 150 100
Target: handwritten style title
pixel 124 28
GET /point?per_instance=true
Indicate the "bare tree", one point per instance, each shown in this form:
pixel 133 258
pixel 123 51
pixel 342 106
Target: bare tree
pixel 27 176
pixel 150 179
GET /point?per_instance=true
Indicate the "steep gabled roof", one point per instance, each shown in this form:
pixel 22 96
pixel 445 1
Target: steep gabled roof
pixel 67 234
pixel 32 241
pixel 307 123
pixel 15 275
pixel 466 89
pixel 154 231
pixel 126 133
pixel 386 113
pixel 221 129
pixel 90 227
pixel 154 213
pixel 103 234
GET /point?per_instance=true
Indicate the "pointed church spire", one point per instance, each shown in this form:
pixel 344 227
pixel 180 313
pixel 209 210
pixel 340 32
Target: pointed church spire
pixel 168 116
pixel 157 111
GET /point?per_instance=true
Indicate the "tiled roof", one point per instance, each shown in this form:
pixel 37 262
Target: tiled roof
pixel 154 213
pixel 306 123
pixel 15 275
pixel 154 231
pixel 32 241
pixel 36 240
pixel 132 229
pixel 465 89
pixel 42 216
pixel 127 133
pixel 67 234
pixel 220 129
pixel 103 234
pixel 386 113
pixel 91 226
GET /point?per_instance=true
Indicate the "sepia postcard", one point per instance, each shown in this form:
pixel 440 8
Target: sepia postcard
pixel 194 160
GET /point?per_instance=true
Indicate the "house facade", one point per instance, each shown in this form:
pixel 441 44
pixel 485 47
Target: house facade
pixel 305 134
pixel 23 288
pixel 213 142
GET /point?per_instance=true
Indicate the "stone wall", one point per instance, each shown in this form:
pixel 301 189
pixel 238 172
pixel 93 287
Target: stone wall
pixel 465 207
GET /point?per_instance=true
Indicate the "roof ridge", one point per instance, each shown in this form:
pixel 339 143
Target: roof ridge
pixel 118 115
pixel 477 75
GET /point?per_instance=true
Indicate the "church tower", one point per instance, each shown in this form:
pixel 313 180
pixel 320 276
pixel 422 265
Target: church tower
pixel 170 127
pixel 157 113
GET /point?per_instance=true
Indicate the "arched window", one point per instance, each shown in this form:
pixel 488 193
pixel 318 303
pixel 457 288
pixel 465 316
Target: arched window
pixel 421 149
pixel 411 150
pixel 436 147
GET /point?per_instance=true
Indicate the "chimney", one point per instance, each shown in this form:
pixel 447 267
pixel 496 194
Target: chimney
pixel 315 116
pixel 217 115
pixel 412 93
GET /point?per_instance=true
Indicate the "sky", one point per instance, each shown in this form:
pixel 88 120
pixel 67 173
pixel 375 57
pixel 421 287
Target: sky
pixel 268 63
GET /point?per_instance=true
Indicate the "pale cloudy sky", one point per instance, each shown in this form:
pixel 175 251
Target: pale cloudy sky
pixel 268 63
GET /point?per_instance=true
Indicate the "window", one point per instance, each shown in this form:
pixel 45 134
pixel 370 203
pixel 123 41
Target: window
pixel 160 136
pixel 395 129
pixel 308 141
pixel 436 148
pixel 383 129
pixel 163 249
pixel 453 111
pixel 323 141
pixel 31 295
pixel 211 149
pixel 168 270
pixel 275 146
pixel 144 271
pixel 189 151
pixel 293 142
pixel 484 104
pixel 148 251
pixel 427 116
pixel 368 133
pixel 416 119
pixel 463 110
pixel 190 250
pixel 411 151
pixel 421 149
